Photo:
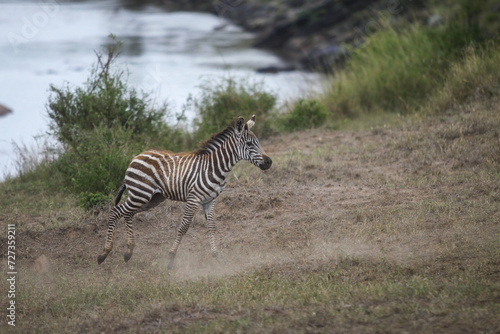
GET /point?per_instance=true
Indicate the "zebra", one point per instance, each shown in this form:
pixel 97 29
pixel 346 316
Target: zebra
pixel 196 178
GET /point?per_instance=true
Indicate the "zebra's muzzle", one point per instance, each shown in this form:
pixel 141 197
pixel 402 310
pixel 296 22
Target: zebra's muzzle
pixel 266 164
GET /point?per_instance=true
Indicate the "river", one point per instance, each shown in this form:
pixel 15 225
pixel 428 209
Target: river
pixel 167 54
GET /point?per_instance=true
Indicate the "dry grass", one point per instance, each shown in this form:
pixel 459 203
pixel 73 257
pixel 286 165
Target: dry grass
pixel 391 229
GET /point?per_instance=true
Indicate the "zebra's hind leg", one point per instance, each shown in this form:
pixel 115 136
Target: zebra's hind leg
pixel 114 216
pixel 127 210
pixel 136 204
pixel 130 237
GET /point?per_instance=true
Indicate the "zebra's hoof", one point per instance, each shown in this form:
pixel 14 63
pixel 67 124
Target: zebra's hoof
pixel 221 261
pixel 101 258
pixel 219 258
pixel 127 256
pixel 171 258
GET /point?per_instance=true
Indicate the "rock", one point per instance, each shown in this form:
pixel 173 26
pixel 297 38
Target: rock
pixel 309 34
pixel 4 110
pixel 325 58
pixel 275 69
pixel 41 265
pixel 221 27
pixel 435 20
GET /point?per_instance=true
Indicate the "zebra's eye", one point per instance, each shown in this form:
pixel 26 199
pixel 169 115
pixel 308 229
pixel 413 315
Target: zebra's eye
pixel 249 143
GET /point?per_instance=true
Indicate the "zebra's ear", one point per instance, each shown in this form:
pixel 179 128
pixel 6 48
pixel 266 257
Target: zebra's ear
pixel 251 122
pixel 240 123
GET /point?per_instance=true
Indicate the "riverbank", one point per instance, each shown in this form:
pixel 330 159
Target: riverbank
pixel 310 35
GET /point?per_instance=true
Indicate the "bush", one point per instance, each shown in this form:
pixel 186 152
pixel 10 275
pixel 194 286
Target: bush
pixel 224 100
pixel 102 126
pixel 99 163
pixel 104 100
pixel 90 201
pixel 396 70
pixel 305 114
pixel 476 77
pixel 480 15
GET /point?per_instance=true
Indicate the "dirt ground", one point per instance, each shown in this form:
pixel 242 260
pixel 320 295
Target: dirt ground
pixel 257 225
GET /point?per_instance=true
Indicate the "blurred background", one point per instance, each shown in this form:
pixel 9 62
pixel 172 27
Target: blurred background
pixel 167 51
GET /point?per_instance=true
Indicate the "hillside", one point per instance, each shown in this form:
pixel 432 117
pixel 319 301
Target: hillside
pixel 389 229
pixel 380 213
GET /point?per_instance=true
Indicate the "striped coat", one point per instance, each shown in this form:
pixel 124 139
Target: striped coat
pixel 196 178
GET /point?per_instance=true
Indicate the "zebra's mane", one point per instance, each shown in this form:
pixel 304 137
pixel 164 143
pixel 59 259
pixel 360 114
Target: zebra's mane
pixel 215 141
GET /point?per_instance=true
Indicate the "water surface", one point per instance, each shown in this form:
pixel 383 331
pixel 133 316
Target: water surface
pixel 165 53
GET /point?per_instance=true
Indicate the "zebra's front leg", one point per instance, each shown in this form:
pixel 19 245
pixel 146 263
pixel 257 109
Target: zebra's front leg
pixel 189 211
pixel 209 216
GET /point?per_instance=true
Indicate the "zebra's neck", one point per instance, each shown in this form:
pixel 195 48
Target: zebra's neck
pixel 222 153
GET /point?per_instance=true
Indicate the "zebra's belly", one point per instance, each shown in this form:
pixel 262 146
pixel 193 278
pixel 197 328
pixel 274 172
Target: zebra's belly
pixel 176 196
pixel 204 193
pixel 208 195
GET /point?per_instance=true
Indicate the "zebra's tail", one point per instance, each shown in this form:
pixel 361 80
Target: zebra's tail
pixel 120 193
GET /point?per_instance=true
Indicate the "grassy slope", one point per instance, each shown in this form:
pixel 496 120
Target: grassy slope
pixel 376 227
pixel 390 229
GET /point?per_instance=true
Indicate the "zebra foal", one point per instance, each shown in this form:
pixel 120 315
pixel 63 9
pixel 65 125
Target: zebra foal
pixel 196 178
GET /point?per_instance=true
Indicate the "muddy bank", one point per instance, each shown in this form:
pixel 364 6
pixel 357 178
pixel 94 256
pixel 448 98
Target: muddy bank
pixel 309 35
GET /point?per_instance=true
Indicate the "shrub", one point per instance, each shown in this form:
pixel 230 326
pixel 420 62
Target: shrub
pixel 480 15
pixel 395 70
pixel 102 125
pixel 477 76
pixel 105 100
pixel 223 100
pixel 90 201
pixel 100 161
pixel 304 115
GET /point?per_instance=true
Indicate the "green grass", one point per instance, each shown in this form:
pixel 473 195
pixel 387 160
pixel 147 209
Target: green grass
pixel 33 207
pixel 350 294
pixel 404 69
pixel 476 77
